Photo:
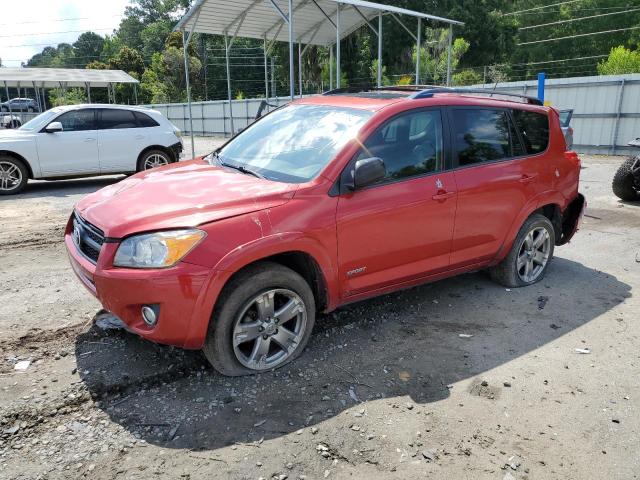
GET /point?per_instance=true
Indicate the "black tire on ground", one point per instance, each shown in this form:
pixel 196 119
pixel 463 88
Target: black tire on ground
pixel 6 159
pixel 150 153
pixel 623 184
pixel 261 277
pixel 15 124
pixel 506 272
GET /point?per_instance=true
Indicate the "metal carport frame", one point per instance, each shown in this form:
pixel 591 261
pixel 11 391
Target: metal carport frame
pixel 312 22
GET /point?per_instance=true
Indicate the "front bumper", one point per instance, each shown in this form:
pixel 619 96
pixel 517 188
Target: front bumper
pixel 182 293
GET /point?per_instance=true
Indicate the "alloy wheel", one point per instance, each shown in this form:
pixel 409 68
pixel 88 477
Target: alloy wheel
pixel 155 160
pixel 269 329
pixel 533 254
pixel 10 176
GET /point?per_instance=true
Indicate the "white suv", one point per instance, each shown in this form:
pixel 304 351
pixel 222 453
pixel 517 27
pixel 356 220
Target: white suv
pixel 86 140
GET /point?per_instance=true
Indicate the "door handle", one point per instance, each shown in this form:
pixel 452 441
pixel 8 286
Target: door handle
pixel 526 178
pixel 139 137
pixel 441 196
pixel 89 139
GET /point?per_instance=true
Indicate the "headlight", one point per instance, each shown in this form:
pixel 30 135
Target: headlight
pixel 157 250
pixel 177 132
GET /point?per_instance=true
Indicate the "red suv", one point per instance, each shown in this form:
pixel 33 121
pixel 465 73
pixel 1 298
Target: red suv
pixel 328 200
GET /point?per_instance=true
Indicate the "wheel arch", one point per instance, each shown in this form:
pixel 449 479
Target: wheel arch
pixel 20 158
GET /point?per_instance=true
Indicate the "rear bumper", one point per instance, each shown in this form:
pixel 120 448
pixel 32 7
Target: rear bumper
pixel 572 218
pixel 176 149
pixel 182 294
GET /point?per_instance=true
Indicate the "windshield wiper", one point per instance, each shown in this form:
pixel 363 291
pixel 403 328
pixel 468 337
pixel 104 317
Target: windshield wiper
pixel 241 168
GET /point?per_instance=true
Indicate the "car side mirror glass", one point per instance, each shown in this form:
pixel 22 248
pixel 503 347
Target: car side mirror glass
pixel 368 171
pixel 53 127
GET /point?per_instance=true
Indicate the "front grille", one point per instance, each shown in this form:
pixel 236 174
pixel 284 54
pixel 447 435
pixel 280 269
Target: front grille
pixel 88 238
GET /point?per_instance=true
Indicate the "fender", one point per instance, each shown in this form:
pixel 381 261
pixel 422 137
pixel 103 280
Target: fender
pixel 544 198
pixel 246 254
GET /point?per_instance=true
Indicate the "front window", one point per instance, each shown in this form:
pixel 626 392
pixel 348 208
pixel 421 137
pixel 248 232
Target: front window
pixel 294 143
pixel 41 120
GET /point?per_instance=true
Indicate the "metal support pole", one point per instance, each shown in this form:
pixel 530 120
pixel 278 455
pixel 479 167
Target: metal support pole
pixel 330 67
pixel 186 77
pixel 300 69
pixel 44 98
pixel 6 89
pixel 273 79
pixel 266 71
pixel 338 46
pixel 616 125
pixel 418 47
pixel 449 56
pixel 226 52
pixel 291 79
pixel 135 93
pixel 379 49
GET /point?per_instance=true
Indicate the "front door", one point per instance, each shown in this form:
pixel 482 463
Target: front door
pixel 72 151
pixel 401 228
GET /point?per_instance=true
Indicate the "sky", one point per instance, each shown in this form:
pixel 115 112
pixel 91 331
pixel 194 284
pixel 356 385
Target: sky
pixel 28 26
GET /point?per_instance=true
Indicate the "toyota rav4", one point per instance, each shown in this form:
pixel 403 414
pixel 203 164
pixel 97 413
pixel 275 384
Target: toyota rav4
pixel 328 200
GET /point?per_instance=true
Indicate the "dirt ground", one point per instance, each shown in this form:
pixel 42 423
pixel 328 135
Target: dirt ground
pixel 456 379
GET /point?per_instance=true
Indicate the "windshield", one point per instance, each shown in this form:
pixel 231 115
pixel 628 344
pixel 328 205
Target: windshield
pixel 294 143
pixel 41 120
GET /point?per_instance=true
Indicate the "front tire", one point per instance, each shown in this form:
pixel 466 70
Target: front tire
pixel 530 254
pixel 13 175
pixel 262 320
pixel 153 158
pixel 624 182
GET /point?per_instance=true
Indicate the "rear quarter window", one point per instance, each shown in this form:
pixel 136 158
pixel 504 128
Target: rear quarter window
pixel 145 120
pixel 534 129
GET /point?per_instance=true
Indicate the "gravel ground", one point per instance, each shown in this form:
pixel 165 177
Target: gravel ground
pixel 456 379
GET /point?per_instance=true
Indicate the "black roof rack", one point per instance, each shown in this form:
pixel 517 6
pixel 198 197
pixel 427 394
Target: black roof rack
pixel 430 92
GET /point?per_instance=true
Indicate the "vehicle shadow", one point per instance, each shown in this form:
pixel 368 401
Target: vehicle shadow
pixel 65 188
pixel 403 344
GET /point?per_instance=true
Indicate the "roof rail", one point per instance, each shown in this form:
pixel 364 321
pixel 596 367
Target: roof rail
pixel 430 92
pixel 369 88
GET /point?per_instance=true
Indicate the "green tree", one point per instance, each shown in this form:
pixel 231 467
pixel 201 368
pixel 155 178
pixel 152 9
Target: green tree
pixel 129 60
pixel 87 48
pixel 620 61
pixel 71 96
pixel 466 77
pixel 434 56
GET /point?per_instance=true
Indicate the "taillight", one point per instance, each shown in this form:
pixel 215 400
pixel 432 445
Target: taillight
pixel 572 157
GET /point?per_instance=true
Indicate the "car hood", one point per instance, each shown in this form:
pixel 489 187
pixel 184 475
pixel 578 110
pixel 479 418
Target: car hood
pixel 186 194
pixel 14 134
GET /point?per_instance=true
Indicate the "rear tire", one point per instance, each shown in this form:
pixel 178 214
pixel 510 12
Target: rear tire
pixel 530 254
pixel 624 184
pixel 233 334
pixel 154 158
pixel 13 175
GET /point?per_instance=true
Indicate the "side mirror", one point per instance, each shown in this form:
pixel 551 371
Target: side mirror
pixel 367 172
pixel 53 127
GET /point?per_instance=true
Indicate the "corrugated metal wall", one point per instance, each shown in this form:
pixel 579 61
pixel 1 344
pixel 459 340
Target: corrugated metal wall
pixel 606 109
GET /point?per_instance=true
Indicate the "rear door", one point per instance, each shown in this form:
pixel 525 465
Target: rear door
pixel 401 228
pixel 72 151
pixel 120 140
pixel 495 179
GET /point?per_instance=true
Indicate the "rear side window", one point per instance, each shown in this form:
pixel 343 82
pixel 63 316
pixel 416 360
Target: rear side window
pixel 483 135
pixel 534 129
pixel 116 118
pixel 145 120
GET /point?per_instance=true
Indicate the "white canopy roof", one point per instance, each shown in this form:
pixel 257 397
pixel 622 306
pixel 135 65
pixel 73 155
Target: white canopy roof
pixel 313 20
pixel 57 77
